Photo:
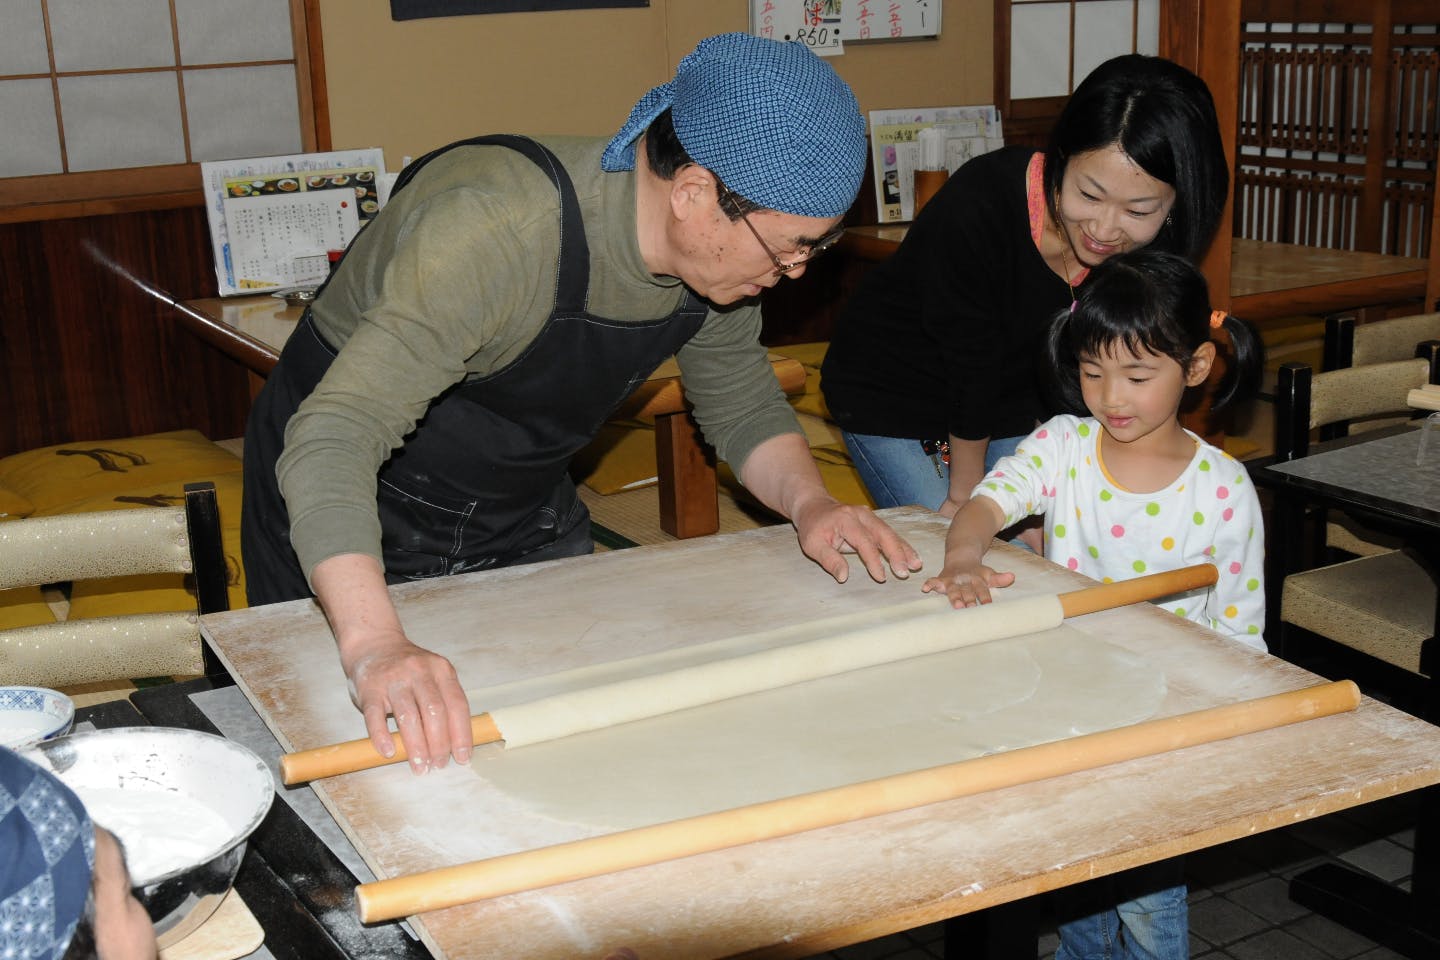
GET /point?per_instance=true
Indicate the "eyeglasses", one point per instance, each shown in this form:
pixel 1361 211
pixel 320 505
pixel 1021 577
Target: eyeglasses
pixel 782 267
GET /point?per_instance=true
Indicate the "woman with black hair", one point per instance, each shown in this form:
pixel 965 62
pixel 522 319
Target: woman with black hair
pixel 933 370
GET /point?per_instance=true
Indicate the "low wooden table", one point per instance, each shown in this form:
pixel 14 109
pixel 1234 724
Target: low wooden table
pixel 821 890
pixel 254 329
pixel 1271 280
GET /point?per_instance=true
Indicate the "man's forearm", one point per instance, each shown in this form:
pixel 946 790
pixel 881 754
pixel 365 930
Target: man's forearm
pixel 782 474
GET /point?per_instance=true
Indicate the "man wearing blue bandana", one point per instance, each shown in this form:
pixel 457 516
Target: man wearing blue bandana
pixel 485 325
pixel 64 888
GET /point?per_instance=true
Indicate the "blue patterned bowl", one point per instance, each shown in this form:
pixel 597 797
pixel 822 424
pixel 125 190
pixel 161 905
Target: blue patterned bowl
pixel 29 715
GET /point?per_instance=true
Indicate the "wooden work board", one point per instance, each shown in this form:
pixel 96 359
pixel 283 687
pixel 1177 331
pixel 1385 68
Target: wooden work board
pixel 801 895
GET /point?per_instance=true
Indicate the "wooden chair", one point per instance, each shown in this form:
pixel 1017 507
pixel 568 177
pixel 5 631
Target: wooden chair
pixel 1382 605
pixel 67 547
pixel 1352 344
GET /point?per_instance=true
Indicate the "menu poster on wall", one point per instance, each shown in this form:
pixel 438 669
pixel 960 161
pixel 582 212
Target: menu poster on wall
pixel 824 25
pixel 273 219
pixel 895 146
pixel 815 23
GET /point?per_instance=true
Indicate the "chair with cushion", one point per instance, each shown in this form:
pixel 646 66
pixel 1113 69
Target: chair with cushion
pixel 1382 605
pixel 1352 344
pixel 76 547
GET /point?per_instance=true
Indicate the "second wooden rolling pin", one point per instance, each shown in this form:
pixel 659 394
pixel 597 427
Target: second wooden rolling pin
pixel 609 704
pixel 531 869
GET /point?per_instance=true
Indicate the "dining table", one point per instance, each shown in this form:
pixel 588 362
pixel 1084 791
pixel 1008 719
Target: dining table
pixel 822 889
pixel 1268 280
pixel 253 329
pixel 1379 478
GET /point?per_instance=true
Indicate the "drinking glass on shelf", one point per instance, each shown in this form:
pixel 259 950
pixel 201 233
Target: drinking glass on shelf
pixel 1429 450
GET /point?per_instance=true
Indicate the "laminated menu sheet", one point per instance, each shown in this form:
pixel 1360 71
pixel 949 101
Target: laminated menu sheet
pixel 273 219
pixel 896 148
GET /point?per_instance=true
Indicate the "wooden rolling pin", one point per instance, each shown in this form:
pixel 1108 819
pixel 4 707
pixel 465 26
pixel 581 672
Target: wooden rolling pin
pixel 579 859
pixel 1424 398
pixel 749 674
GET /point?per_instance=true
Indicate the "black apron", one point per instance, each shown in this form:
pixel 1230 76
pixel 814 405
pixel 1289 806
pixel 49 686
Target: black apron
pixel 482 481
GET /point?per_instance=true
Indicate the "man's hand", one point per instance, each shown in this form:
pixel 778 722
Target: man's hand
pixel 389 675
pixel 782 474
pixel 828 529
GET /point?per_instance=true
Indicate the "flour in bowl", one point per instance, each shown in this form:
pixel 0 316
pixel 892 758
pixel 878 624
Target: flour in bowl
pixel 19 727
pixel 162 830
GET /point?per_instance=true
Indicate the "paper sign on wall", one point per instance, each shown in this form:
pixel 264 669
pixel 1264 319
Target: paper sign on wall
pixel 824 25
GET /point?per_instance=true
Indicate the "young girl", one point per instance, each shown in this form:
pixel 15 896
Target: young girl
pixel 1124 492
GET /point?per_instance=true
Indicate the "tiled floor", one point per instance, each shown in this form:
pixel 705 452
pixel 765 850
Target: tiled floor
pixel 1240 907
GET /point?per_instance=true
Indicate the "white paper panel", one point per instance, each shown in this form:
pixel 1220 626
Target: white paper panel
pixel 1102 30
pixel 1147 28
pixel 242 112
pixel 113 35
pixel 1039 50
pixel 22 41
pixel 233 31
pixel 127 120
pixel 30 144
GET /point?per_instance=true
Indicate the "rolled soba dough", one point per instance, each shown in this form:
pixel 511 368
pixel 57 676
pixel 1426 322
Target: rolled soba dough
pixel 891 718
pixel 755 663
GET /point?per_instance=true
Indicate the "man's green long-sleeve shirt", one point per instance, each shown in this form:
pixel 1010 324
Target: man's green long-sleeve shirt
pixel 453 280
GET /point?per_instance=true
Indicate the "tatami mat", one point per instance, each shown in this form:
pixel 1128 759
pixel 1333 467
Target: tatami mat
pixel 632 517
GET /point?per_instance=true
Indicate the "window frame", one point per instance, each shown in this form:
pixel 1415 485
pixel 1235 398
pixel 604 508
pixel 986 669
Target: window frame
pixel 56 196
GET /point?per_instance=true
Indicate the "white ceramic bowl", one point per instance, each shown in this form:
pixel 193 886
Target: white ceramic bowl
pixel 31 714
pixel 218 774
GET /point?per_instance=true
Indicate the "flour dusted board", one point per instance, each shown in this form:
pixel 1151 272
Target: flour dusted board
pixel 813 892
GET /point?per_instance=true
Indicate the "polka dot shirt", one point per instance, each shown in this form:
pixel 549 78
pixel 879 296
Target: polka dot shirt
pixel 1209 514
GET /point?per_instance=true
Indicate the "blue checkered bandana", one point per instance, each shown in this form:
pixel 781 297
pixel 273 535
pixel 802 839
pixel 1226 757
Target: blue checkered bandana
pixel 772 120
pixel 47 853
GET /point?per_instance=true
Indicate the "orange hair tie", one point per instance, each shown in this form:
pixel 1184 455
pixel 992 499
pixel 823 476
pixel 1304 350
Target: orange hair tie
pixel 1217 319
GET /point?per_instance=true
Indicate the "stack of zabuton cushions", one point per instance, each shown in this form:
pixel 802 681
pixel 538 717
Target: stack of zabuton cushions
pixel 622 456
pixel 89 476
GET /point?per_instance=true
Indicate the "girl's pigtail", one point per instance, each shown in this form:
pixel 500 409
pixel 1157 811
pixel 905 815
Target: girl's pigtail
pixel 1244 361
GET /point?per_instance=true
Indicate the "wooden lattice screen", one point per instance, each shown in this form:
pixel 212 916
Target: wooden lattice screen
pixel 1338 124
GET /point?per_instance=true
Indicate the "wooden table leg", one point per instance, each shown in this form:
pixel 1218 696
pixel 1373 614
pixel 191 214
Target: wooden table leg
pixel 686 471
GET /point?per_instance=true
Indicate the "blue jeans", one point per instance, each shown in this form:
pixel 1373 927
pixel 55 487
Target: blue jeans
pixel 898 472
pixel 1151 926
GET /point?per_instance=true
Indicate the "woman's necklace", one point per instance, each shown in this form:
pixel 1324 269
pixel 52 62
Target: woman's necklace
pixel 1065 265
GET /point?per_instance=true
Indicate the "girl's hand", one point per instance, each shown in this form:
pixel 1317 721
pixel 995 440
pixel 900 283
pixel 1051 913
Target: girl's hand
pixel 967 586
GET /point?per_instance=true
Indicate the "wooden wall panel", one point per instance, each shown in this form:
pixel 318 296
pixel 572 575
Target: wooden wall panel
pixel 89 346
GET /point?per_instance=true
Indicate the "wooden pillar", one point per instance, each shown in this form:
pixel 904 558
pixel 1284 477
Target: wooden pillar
pixel 1204 35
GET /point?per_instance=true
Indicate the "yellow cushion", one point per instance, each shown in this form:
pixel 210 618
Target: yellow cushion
pixel 24 607
pixel 836 470
pixel 840 476
pixel 54 479
pixel 13 506
pixel 810 356
pixel 621 457
pixel 155 593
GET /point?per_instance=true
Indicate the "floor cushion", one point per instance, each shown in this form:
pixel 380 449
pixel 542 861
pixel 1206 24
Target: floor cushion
pixel 54 479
